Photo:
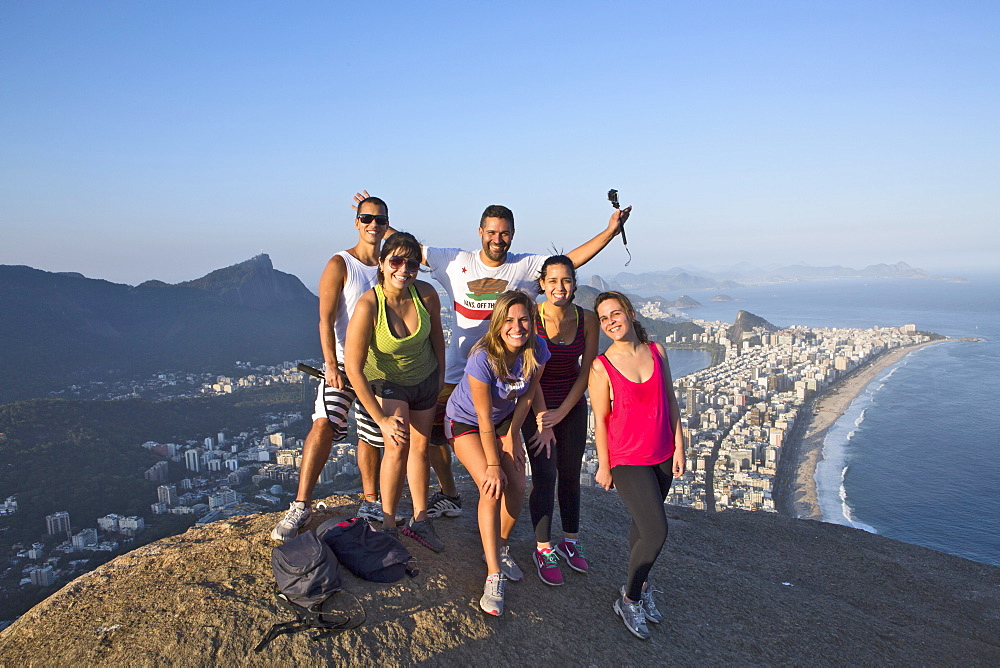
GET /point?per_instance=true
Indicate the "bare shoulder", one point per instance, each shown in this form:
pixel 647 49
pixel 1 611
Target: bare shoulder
pixel 425 289
pixel 335 268
pixel 597 366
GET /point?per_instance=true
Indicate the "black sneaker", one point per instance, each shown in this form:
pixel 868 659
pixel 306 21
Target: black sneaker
pixel 423 533
pixel 442 504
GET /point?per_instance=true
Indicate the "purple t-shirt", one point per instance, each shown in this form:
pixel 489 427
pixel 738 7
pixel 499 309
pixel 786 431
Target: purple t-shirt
pixel 504 392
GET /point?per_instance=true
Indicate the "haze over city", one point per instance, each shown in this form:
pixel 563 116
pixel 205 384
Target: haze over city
pixel 161 141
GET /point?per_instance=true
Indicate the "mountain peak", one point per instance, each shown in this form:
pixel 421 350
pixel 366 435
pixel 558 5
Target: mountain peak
pixel 254 283
pixel 740 587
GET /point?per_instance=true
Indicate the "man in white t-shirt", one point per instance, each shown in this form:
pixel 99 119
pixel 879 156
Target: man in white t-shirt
pixel 474 280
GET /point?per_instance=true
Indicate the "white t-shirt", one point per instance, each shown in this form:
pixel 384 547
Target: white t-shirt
pixel 473 289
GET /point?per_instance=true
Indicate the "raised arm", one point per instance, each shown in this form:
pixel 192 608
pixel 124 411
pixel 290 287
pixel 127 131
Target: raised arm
pixel 600 402
pixel 585 253
pixel 331 288
pixel 389 231
pixel 675 413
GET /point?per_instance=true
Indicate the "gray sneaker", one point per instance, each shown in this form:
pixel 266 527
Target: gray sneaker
pixel 633 616
pixel 372 511
pixel 508 566
pixel 288 528
pixel 423 532
pixel 649 605
pixel 492 600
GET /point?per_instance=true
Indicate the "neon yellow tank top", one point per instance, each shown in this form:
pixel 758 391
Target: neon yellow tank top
pixel 404 361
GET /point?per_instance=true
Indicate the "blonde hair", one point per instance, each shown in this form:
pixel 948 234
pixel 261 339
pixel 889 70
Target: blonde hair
pixel 492 342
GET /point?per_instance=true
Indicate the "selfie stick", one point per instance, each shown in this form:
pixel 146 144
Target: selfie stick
pixel 613 198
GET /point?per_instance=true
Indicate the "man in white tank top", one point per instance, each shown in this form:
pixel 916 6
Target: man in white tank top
pixel 348 275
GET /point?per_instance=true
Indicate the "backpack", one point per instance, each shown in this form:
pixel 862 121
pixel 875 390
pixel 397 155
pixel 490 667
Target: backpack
pixel 307 576
pixel 369 554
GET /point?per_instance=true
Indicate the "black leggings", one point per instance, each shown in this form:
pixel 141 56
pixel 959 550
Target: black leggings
pixel 643 489
pixel 563 465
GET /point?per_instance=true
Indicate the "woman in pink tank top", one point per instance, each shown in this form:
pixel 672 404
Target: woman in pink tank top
pixel 640 447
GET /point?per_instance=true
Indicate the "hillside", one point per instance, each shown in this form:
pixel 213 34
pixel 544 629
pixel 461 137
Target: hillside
pixel 61 329
pixel 740 588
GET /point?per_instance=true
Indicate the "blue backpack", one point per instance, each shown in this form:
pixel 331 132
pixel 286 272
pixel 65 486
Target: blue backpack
pixel 307 577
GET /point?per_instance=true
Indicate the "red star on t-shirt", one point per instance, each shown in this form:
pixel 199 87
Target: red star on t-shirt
pixel 464 270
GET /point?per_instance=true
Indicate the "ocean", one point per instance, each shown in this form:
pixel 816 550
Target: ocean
pixel 916 456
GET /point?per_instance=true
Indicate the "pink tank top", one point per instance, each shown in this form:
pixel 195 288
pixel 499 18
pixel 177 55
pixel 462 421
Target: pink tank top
pixel 638 427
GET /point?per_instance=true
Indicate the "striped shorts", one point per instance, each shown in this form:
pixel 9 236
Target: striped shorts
pixel 334 404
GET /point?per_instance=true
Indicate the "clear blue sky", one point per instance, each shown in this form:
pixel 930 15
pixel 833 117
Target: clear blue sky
pixel 162 140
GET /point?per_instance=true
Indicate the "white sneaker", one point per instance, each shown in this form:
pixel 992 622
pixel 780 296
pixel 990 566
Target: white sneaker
pixel 288 528
pixel 492 600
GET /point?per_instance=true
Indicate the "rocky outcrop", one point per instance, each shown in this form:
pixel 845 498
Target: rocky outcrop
pixel 739 588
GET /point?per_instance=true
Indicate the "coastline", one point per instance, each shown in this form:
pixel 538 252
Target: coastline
pixel 805 443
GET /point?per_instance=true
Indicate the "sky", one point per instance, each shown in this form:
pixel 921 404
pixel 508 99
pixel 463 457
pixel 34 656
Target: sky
pixel 163 140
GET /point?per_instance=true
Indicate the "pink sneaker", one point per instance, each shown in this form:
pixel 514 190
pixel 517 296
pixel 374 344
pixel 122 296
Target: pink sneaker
pixel 573 554
pixel 547 564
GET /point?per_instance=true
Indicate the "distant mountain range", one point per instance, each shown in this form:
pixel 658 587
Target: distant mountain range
pixel 693 278
pixel 63 328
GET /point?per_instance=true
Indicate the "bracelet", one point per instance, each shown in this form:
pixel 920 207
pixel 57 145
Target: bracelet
pixel 489 465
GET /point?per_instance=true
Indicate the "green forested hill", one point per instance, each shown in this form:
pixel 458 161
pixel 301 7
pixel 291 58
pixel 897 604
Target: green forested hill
pixel 85 456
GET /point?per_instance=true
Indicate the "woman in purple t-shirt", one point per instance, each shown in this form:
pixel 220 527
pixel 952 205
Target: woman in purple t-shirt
pixel 484 418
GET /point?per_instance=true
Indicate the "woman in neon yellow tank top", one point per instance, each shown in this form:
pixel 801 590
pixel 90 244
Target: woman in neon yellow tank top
pixel 394 358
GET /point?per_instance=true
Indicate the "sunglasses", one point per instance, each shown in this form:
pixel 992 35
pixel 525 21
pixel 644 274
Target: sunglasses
pixel 395 262
pixel 369 218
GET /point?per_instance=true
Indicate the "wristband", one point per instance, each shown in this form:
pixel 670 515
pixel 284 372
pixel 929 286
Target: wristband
pixel 489 465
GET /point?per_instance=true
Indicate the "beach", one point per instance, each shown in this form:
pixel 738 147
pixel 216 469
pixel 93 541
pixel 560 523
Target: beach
pixel 805 443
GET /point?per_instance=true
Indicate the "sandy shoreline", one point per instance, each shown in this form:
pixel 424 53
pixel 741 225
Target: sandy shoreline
pixel 805 445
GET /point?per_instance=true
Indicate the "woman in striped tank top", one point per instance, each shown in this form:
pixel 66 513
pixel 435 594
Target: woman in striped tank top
pixel 640 448
pixel 571 334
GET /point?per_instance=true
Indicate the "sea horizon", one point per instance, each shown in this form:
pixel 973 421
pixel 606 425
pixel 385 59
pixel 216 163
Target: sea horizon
pixel 912 456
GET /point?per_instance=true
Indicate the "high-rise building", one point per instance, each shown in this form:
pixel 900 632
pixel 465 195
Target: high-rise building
pixel 192 460
pixel 157 472
pixel 57 523
pixel 108 523
pixel 43 577
pixel 86 538
pixel 167 494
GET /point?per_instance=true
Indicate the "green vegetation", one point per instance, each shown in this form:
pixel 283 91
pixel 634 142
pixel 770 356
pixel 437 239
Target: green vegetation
pixel 84 456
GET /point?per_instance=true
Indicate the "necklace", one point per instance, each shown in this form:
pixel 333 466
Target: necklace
pixel 559 337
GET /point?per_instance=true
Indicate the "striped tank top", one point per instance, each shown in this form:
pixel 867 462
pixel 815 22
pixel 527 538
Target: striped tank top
pixel 563 368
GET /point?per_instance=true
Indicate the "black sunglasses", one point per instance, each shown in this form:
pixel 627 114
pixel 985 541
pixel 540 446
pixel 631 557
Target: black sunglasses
pixel 395 262
pixel 369 218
